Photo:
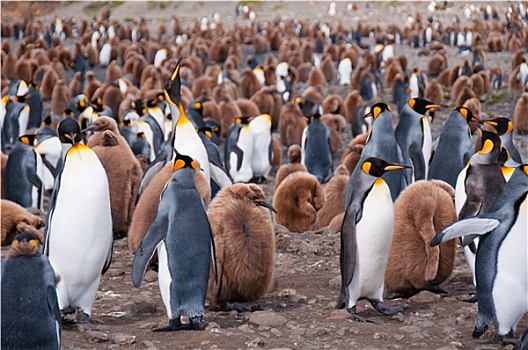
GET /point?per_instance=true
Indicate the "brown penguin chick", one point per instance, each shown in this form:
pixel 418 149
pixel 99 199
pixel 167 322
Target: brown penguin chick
pixel 458 88
pixel 4 162
pixel 8 65
pixel 113 97
pixel 261 44
pixel 352 158
pixel 420 212
pixel 478 83
pixel 229 111
pixel 276 153
pixel 147 205
pixel 516 59
pixel 444 78
pixel 436 64
pixel 514 84
pixel 92 84
pixel 297 200
pixel 16 219
pixel 100 125
pixel 268 103
pixel 335 123
pixel 352 101
pixel 433 92
pixel 124 174
pixel 76 84
pixel 113 72
pixel 316 77
pixel 474 105
pixel 328 68
pixel 58 67
pixel 247 107
pixel 303 71
pixel 60 97
pixel 202 87
pixel 334 104
pixel 392 70
pixel 294 156
pixel 335 192
pixel 49 81
pixel 92 55
pixel 249 84
pixel 244 241
pixel 291 124
pixel 514 44
pixel 23 69
pixel 359 140
pixel 520 115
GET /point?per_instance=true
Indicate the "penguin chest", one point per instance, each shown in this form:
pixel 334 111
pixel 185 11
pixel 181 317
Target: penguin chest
pixel 510 288
pixel 23 119
pixel 189 143
pixel 260 159
pixel 374 237
pixel 460 190
pixel 427 144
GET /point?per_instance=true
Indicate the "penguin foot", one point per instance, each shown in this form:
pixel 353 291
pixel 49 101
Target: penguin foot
pixel 469 298
pixel 197 325
pixel 174 325
pixel 479 330
pixel 386 309
pixel 509 339
pixel 434 288
pixel 352 311
pixel 82 317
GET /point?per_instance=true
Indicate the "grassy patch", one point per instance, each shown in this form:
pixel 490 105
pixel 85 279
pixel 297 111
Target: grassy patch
pixel 115 4
pixel 393 3
pixel 497 98
pixel 128 19
pixel 255 5
pixel 198 5
pixel 176 5
pixel 278 6
pixel 93 7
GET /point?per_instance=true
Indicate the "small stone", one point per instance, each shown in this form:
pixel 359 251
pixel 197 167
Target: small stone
pixel 410 329
pixel 353 330
pixel 150 276
pixel 114 273
pixel 335 282
pixel 288 292
pixel 96 337
pixel 340 314
pixel 380 335
pixel 341 332
pixel 267 318
pixel 425 297
pixel 399 337
pixel 122 339
pixel 276 332
pixel 149 344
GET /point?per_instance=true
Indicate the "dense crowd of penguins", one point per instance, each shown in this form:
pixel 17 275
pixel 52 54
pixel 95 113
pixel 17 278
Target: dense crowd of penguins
pixel 171 148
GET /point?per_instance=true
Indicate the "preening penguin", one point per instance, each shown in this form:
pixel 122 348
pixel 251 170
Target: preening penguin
pixel 453 148
pixel 294 156
pixel 30 312
pixel 124 173
pixel 316 149
pixel 366 237
pixel 501 260
pixel 413 134
pixel 182 235
pixel 297 200
pixel 421 211
pixel 79 217
pixel 244 241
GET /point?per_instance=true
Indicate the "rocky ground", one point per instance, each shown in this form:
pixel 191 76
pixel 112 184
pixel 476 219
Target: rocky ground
pixel 299 313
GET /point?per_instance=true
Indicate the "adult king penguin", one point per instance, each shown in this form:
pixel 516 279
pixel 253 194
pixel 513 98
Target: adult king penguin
pixel 31 317
pixel 381 143
pixel 316 150
pixel 501 260
pixel 453 148
pixel 260 130
pixel 182 234
pixel 79 226
pixel 413 134
pixel 366 237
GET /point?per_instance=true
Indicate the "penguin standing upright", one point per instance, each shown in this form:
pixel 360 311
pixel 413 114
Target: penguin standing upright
pixel 501 260
pixel 366 237
pixel 381 143
pixel 260 130
pixel 24 172
pixel 238 151
pixel 182 234
pixel 453 148
pixel 478 186
pixel 79 226
pixel 316 149
pixel 30 316
pixel 50 149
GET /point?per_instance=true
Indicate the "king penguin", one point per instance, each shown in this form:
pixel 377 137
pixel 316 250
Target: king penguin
pixel 316 150
pixel 504 128
pixel 30 316
pixel 79 225
pixel 182 235
pixel 366 237
pixel 238 150
pixel 501 260
pixel 24 172
pixel 478 186
pixel 381 143
pixel 413 134
pixel 50 149
pixel 260 129
pixel 453 148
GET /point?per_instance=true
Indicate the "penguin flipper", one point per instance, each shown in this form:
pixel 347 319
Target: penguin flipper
pixel 348 251
pixel 219 175
pixel 108 259
pixel 235 149
pixel 473 226
pixel 154 235
pixel 153 169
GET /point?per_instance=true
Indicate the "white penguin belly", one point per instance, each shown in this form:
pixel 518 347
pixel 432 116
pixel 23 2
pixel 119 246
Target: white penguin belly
pixel 164 277
pixel 189 143
pixel 510 288
pixel 427 145
pixel 260 162
pixel 80 229
pixel 374 238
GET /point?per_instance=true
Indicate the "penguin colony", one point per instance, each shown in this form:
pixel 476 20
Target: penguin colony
pixel 173 147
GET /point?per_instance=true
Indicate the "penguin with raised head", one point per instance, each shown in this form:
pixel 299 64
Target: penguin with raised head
pixel 80 200
pixel 366 237
pixel 30 315
pixel 219 176
pixel 182 235
pixel 413 134
pixel 244 239
pixel 316 149
pixel 501 261
pixel 381 143
pixel 504 128
pixel 24 172
pixel 453 148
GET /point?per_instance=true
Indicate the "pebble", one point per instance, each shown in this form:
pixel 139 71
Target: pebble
pixel 150 276
pixel 410 329
pixel 122 339
pixel 288 292
pixel 425 297
pixel 276 332
pixel 150 345
pixel 335 282
pixel 114 273
pixel 96 336
pixel 267 318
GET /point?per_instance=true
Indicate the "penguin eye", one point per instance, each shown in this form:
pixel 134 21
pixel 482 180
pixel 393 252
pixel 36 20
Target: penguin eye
pixel 34 243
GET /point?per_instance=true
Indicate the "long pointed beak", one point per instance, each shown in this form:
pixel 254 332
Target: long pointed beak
pixel 90 128
pixel 433 106
pixel 266 205
pixel 476 120
pixel 396 167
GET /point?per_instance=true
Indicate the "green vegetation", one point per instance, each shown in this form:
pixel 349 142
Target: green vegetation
pixel 198 5
pixel 497 98
pixel 255 5
pixel 115 4
pixel 128 19
pixel 93 7
pixel 151 5
pixel 393 3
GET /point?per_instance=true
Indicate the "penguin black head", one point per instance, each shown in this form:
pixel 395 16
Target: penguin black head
pixel 69 130
pixel 491 143
pixel 173 86
pixel 207 131
pixel 468 115
pixel 243 120
pixel 376 166
pixel 501 124
pixel 198 106
pixel 28 139
pixel 377 109
pixel 183 161
pixel 422 105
